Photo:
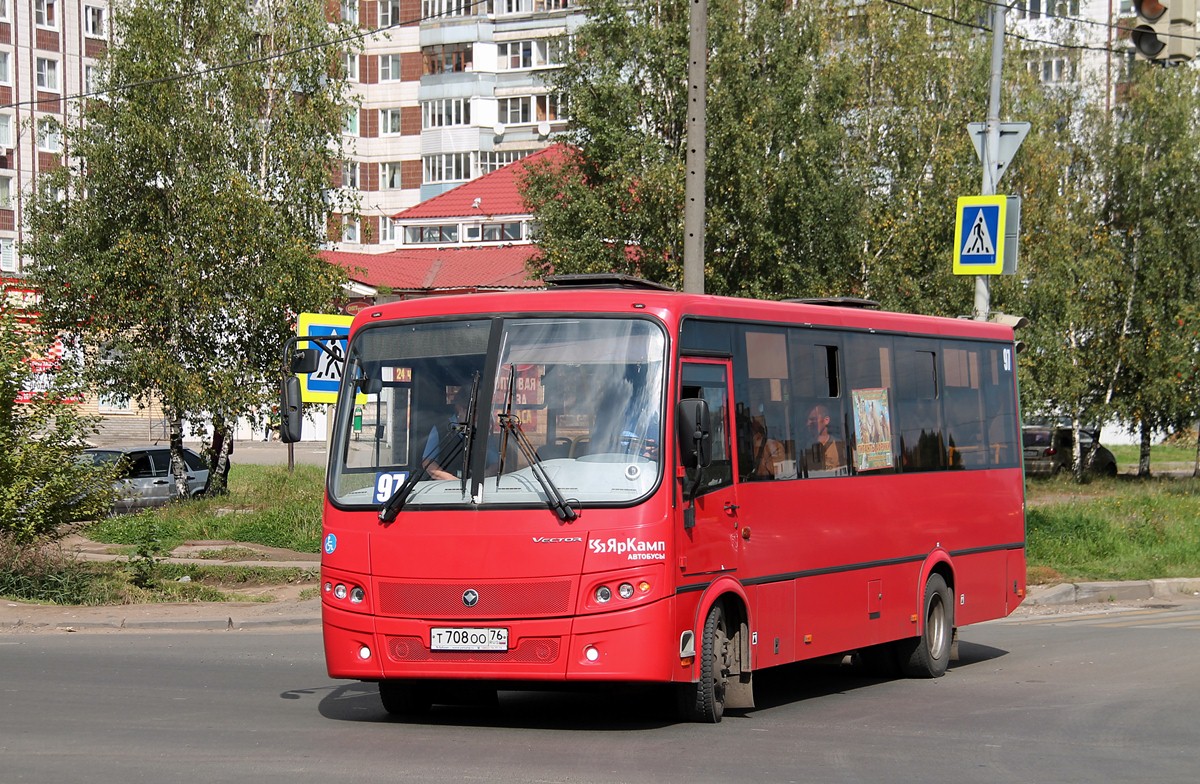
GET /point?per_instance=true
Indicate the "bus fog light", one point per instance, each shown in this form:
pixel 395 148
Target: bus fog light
pixel 328 587
pixel 357 595
pixel 625 590
pixel 364 653
pixel 603 594
pixel 591 653
pixel 339 591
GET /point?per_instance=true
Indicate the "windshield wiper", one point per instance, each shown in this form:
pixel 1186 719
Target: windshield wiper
pixel 512 424
pixel 460 439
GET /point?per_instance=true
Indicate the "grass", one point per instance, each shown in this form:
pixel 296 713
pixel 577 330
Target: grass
pixel 1176 455
pixel 266 505
pixel 1113 529
pixel 1106 529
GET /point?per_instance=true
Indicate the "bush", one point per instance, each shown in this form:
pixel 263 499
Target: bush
pixel 43 484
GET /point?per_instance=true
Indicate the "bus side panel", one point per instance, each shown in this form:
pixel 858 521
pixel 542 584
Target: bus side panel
pixel 979 591
pixel 774 624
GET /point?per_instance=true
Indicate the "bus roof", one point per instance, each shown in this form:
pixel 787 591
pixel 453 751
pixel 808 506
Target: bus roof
pixel 672 306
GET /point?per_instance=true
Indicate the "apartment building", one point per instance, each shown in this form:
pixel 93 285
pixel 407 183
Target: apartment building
pixel 448 90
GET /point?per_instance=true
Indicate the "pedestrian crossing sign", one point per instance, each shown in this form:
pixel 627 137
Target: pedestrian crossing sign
pixel 321 386
pixel 979 235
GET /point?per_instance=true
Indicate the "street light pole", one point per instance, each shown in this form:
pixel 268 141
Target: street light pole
pixel 694 175
pixel 991 146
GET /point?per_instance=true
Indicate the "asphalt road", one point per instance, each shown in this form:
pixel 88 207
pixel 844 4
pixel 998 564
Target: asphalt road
pixel 1060 697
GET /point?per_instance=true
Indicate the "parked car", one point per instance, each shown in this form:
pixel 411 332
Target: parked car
pixel 146 479
pixel 1050 449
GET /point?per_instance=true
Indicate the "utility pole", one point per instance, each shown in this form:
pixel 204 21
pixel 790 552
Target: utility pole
pixel 696 130
pixel 991 146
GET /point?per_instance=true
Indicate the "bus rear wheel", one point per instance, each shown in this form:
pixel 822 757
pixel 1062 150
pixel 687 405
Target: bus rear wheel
pixel 405 698
pixel 704 701
pixel 928 656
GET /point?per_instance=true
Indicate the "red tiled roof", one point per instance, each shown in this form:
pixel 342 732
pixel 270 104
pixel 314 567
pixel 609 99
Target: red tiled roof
pixel 441 269
pixel 496 191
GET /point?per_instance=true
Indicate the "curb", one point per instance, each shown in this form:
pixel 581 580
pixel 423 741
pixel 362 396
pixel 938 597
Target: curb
pixel 1104 592
pixel 16 617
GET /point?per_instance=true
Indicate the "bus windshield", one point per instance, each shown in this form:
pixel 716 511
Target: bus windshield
pixel 568 408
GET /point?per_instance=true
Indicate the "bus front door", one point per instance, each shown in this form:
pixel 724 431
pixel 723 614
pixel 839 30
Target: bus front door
pixel 710 544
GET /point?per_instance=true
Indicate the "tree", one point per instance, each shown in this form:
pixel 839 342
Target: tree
pixel 1152 164
pixel 42 483
pixel 181 238
pixel 615 202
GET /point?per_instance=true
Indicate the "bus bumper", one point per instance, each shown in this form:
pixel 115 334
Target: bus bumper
pixel 629 645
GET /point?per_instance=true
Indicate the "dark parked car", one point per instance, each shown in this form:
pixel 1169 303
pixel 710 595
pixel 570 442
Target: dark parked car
pixel 146 479
pixel 1050 449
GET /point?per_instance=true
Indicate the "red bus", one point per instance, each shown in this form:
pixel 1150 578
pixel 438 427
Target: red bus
pixel 606 481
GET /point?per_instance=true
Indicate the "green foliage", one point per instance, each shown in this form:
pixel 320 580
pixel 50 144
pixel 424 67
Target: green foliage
pixel 1121 530
pixel 43 485
pixel 182 236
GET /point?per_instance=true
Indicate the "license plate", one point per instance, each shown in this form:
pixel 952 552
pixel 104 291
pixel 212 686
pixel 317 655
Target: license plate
pixel 468 639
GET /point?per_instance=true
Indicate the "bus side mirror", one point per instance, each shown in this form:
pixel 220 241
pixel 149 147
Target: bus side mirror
pixel 305 360
pixel 291 413
pixel 693 429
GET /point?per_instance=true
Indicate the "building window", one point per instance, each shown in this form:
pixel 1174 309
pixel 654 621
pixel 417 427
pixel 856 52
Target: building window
pixel 444 112
pixel 389 13
pixel 350 174
pixel 6 184
pixel 3 10
pixel 389 67
pixel 446 167
pixel 515 111
pixel 91 79
pixel 448 58
pixel 388 231
pixel 351 67
pixel 4 72
pixel 351 126
pixel 45 13
pixel 94 22
pixel 431 235
pixel 113 403
pixel 389 121
pixel 552 5
pixel 490 161
pixel 49 135
pixel 516 6
pixel 514 55
pixel 350 11
pixel 548 108
pixel 47 74
pixel 502 232
pixel 447 8
pixel 350 231
pixel 6 137
pixel 8 255
pixel 391 176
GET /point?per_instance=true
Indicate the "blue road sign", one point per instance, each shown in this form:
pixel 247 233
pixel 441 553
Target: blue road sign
pixel 979 235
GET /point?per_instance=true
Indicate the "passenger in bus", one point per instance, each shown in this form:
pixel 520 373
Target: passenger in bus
pixel 825 453
pixel 768 453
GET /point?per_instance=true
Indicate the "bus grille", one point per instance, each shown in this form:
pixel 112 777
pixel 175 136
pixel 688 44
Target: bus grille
pixel 531 650
pixel 496 600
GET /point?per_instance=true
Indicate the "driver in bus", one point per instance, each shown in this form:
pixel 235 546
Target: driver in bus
pixel 433 443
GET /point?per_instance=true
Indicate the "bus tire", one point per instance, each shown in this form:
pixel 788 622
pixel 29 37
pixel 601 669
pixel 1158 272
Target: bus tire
pixel 405 698
pixel 704 701
pixel 928 655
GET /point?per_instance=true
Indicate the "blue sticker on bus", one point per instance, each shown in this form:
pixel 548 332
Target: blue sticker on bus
pixel 387 483
pixel 330 544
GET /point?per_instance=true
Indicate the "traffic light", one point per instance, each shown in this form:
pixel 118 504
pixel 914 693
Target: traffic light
pixel 1165 31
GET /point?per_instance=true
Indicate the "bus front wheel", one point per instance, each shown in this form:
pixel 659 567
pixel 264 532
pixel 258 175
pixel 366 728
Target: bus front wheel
pixel 704 701
pixel 928 655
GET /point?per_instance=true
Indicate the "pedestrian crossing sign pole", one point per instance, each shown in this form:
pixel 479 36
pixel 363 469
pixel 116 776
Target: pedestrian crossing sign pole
pixel 979 235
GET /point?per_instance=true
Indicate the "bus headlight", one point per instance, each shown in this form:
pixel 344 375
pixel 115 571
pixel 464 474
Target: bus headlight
pixel 625 590
pixel 357 595
pixel 603 594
